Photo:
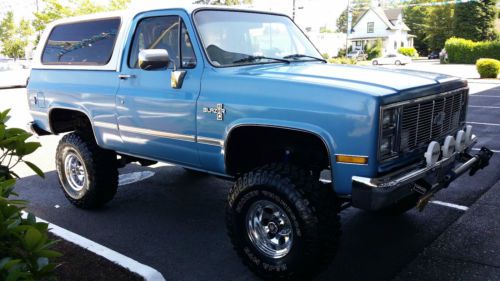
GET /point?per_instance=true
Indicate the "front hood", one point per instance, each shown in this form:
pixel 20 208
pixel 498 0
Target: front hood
pixel 390 84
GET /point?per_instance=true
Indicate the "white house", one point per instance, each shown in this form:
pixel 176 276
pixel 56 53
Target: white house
pixel 386 25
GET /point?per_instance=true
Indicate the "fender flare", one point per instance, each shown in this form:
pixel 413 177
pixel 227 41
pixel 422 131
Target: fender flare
pixel 67 107
pixel 317 131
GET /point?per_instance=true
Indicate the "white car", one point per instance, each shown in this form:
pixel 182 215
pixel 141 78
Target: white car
pixel 13 74
pixel 397 59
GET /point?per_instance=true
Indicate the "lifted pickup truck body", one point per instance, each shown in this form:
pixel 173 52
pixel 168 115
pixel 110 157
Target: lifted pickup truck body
pixel 371 129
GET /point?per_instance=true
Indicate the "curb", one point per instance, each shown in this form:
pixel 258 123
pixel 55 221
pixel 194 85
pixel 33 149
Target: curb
pixel 147 272
pixel 483 81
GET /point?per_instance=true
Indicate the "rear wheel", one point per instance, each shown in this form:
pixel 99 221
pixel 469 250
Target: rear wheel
pixel 397 62
pixel 375 62
pixel 282 222
pixel 88 174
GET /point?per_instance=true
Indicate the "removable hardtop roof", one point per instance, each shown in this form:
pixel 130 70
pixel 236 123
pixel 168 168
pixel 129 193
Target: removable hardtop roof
pixel 126 18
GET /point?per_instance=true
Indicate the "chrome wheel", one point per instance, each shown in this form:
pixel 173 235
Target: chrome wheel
pixel 269 229
pixel 75 173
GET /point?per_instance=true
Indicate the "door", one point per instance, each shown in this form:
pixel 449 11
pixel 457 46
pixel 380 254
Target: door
pixel 156 120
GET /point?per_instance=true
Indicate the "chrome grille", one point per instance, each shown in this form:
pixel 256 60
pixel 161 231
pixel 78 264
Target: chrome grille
pixel 431 119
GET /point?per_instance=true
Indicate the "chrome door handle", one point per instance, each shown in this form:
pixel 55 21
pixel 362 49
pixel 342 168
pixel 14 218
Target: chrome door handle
pixel 125 76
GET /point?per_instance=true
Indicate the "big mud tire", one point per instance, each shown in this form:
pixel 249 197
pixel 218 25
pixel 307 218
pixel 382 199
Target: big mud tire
pixel 287 205
pixel 88 174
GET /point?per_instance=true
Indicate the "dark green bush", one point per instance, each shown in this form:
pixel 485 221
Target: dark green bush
pixel 466 51
pixel 374 53
pixel 341 53
pixel 488 68
pixel 374 49
pixel 408 51
pixel 25 248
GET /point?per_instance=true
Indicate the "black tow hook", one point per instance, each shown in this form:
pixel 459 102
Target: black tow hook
pixel 483 159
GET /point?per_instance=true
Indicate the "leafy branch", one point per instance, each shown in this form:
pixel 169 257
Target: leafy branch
pixel 24 243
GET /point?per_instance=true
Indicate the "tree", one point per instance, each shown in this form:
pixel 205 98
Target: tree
pixel 415 17
pixel 7 26
pixel 342 22
pixel 324 29
pixel 14 38
pixel 358 7
pixel 439 26
pixel 475 20
pixel 55 10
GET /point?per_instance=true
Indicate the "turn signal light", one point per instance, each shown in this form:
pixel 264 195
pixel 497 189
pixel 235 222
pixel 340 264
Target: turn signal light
pixel 351 159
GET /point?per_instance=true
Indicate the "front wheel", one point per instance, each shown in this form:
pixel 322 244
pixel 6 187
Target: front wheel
pixel 282 222
pixel 375 62
pixel 397 62
pixel 88 174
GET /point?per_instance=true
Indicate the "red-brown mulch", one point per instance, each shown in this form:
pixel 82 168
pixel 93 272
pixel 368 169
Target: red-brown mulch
pixel 78 264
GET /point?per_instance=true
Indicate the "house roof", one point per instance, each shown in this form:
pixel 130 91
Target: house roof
pixel 392 14
pixel 389 17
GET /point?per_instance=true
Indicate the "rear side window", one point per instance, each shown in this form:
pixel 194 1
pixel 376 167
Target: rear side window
pixel 82 43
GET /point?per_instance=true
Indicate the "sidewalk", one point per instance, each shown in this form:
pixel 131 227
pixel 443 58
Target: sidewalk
pixel 468 250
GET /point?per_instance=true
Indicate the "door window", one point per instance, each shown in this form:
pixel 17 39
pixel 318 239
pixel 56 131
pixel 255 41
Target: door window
pixel 163 33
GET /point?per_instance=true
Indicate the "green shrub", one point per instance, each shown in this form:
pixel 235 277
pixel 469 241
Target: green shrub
pixel 374 50
pixel 488 68
pixel 374 53
pixel 325 56
pixel 25 249
pixel 342 61
pixel 341 53
pixel 408 51
pixel 466 51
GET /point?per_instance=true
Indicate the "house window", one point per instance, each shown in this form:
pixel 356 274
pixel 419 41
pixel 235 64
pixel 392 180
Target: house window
pixel 370 26
pixel 358 43
pixel 395 45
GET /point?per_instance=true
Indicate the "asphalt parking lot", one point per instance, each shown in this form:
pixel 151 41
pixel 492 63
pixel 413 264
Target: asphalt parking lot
pixel 174 221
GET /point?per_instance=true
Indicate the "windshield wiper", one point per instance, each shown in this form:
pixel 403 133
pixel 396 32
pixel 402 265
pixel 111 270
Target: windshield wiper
pixel 256 58
pixel 296 56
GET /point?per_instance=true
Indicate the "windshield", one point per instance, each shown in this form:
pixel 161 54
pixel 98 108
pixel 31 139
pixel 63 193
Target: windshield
pixel 233 38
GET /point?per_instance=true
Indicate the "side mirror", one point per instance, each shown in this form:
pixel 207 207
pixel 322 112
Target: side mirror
pixel 151 59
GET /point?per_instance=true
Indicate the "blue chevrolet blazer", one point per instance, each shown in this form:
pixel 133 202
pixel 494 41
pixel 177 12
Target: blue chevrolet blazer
pixel 244 95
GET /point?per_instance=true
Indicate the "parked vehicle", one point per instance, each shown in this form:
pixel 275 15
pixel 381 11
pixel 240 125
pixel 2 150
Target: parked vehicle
pixel 397 59
pixel 244 95
pixel 433 55
pixel 357 55
pixel 14 74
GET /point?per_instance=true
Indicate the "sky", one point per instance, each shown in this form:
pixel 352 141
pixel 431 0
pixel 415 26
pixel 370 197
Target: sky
pixel 309 13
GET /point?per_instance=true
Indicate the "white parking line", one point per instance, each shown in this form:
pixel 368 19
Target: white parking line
pixel 485 106
pixel 451 205
pixel 496 151
pixel 487 124
pixel 148 273
pixel 134 177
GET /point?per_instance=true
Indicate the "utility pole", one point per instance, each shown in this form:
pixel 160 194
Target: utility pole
pixel 293 11
pixel 349 27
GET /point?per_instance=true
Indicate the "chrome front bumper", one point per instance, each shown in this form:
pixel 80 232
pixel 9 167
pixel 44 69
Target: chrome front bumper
pixel 377 193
